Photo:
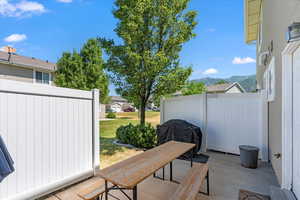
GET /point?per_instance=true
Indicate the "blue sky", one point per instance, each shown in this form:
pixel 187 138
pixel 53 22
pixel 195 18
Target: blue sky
pixel 46 28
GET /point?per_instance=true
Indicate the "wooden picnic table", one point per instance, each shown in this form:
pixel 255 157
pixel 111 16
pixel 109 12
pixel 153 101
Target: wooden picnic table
pixel 129 173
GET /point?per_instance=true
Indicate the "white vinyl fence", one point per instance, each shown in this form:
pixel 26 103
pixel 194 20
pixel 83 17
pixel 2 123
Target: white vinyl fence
pixel 190 108
pixel 226 120
pixel 51 134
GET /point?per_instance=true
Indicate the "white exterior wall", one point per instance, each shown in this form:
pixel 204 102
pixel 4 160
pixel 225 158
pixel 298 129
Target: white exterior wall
pixel 277 15
pixel 11 72
pixel 52 135
pixel 226 120
pixel 17 73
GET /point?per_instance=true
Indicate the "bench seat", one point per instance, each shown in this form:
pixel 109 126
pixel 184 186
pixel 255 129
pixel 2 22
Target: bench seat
pixel 190 186
pixel 94 190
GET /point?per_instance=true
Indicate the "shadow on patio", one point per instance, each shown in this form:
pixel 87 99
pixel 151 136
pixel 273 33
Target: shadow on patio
pixel 227 177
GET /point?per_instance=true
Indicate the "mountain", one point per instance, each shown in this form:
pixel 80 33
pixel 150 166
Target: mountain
pixel 247 82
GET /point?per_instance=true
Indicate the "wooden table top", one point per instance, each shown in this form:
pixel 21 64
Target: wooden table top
pixel 128 173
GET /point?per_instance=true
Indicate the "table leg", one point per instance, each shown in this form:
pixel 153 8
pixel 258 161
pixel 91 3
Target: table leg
pixel 106 190
pixel 207 185
pixel 207 182
pixel 134 190
pixel 192 154
pixel 164 173
pixel 171 171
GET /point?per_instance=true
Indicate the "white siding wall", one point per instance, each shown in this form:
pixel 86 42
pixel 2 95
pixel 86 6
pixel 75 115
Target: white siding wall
pixel 49 132
pixel 226 120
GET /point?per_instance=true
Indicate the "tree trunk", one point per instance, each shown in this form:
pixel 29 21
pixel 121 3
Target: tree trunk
pixel 142 113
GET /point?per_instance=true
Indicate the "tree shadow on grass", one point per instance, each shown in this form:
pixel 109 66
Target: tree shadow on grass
pixel 108 148
pixel 125 118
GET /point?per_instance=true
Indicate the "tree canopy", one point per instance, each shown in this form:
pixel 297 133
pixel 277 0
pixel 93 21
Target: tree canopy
pixel 146 64
pixel 192 88
pixel 83 70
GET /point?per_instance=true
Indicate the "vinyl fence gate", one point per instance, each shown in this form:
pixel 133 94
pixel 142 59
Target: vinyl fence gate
pixel 52 135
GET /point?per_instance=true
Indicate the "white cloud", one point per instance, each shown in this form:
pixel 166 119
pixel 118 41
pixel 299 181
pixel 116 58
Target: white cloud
pixel 242 61
pixel 65 1
pixel 30 6
pixel 210 71
pixel 2 49
pixel 21 9
pixel 15 38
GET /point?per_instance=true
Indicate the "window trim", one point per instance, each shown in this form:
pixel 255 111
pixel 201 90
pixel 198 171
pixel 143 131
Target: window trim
pixel 287 114
pixel 34 77
pixel 270 81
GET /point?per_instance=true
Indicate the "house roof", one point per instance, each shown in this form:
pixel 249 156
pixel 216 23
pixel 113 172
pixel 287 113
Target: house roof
pixel 26 62
pixel 223 87
pixel 118 99
pixel 252 19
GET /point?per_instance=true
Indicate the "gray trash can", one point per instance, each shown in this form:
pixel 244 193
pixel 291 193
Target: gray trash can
pixel 249 156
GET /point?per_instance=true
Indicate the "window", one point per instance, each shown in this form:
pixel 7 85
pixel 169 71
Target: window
pixel 46 78
pixel 42 77
pixel 269 81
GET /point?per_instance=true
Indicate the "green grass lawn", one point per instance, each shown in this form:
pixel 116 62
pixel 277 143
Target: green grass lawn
pixel 134 115
pixel 111 153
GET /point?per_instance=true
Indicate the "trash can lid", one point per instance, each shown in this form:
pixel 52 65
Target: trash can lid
pixel 248 148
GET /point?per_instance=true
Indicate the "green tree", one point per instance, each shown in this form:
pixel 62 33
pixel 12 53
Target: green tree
pixel 84 70
pixel 221 82
pixel 146 63
pixel 193 88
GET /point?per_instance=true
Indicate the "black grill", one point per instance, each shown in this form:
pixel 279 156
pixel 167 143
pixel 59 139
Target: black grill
pixel 181 131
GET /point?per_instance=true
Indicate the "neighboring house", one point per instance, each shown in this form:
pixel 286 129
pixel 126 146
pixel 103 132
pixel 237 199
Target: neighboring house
pixel 115 107
pixel 220 88
pixel 151 106
pixel 225 88
pixel 26 69
pixel 267 24
pixel 176 94
pixel 118 99
pixel 118 104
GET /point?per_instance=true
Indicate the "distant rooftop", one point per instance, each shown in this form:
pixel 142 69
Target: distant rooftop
pixel 118 99
pixel 26 62
pixel 218 88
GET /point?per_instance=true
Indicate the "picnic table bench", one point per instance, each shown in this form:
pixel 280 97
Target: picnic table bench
pixel 192 182
pixel 127 174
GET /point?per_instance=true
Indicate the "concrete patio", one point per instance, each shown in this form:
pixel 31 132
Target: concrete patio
pixel 227 177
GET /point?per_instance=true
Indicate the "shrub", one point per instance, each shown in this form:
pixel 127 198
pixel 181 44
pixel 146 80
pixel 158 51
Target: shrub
pixel 111 115
pixel 141 136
